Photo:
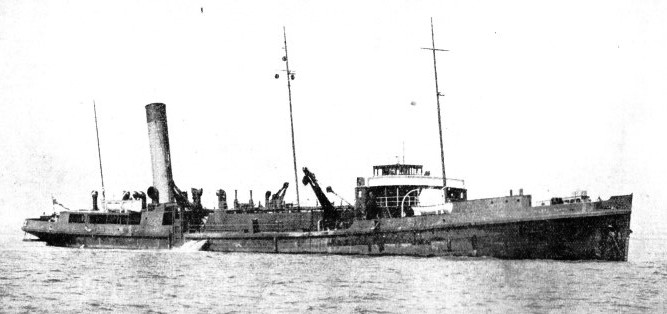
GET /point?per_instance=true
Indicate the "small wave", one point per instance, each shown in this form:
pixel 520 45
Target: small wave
pixel 191 246
pixel 139 306
pixel 51 280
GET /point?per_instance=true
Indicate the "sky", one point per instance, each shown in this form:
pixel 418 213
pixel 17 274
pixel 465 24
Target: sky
pixel 551 97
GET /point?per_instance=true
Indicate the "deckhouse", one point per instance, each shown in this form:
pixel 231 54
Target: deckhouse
pixel 396 188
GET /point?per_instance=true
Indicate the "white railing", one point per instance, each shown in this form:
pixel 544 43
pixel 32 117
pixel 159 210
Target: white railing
pixel 413 180
pixel 395 202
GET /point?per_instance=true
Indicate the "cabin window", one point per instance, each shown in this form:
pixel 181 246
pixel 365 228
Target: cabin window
pixel 112 219
pixel 135 218
pixel 77 218
pixel 167 219
pixel 122 220
pixel 98 219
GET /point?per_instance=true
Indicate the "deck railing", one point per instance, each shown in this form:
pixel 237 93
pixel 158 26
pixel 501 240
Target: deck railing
pixel 394 202
pixel 565 200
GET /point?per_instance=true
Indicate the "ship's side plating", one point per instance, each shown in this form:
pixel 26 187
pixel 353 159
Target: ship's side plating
pixel 594 230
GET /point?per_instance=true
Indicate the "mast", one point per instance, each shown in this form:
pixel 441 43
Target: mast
pixel 437 97
pixel 290 77
pixel 99 154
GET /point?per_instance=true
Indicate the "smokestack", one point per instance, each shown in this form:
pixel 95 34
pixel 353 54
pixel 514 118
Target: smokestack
pixel 158 137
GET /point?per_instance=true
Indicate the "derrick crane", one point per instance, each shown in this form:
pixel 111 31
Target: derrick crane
pixel 329 215
pixel 276 200
pixel 330 190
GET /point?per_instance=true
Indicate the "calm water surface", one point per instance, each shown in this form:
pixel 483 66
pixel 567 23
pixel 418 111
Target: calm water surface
pixel 35 278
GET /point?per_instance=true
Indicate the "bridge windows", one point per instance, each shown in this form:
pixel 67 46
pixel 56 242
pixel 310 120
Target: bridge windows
pixel 397 169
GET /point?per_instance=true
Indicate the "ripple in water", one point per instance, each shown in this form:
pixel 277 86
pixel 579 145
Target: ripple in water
pixel 34 278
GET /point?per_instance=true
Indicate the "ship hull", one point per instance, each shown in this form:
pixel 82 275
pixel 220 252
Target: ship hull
pixel 573 231
pixel 101 241
pixel 594 236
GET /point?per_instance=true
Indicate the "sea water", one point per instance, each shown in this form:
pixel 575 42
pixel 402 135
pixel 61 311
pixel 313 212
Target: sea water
pixel 36 278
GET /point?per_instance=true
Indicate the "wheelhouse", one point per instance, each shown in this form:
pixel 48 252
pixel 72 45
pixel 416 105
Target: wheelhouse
pixel 397 187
